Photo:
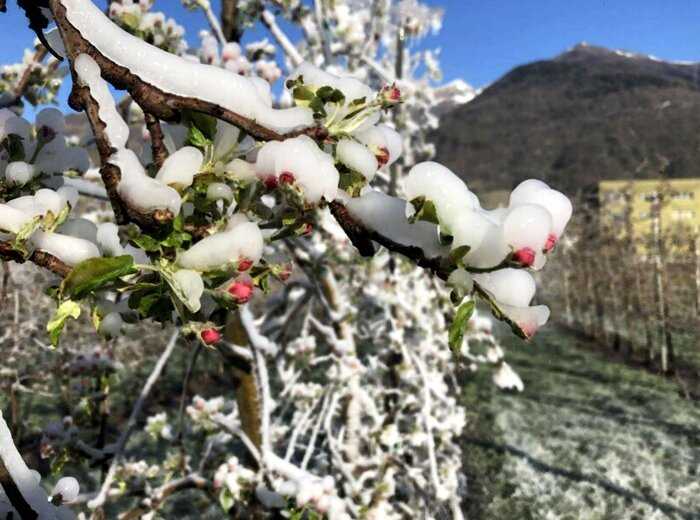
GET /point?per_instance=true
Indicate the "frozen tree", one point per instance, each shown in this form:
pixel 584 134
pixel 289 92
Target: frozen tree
pixel 344 400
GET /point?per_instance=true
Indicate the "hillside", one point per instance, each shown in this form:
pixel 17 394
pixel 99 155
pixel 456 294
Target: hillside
pixel 586 115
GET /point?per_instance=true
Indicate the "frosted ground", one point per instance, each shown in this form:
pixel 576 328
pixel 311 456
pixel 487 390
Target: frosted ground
pixel 587 439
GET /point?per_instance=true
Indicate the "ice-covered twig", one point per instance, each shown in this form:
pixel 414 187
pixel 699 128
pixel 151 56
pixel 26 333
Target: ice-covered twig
pixel 40 258
pixel 268 19
pixel 24 79
pixel 101 497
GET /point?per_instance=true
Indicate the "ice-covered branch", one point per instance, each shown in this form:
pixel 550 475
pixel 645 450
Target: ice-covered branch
pixel 40 258
pixel 288 47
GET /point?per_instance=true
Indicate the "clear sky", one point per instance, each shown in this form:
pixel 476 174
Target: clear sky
pixel 483 39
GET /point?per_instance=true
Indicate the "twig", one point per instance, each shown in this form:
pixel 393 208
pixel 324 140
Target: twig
pixel 23 82
pixel 101 497
pixel 268 19
pixel 39 258
pixel 160 152
pixel 213 21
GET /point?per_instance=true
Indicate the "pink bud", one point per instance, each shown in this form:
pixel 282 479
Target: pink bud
pixel 551 242
pixel 391 93
pixel 241 290
pixel 287 178
pixel 210 336
pixel 382 156
pixel 285 273
pixel 524 256
pixel 270 182
pixel 244 264
pixel 308 228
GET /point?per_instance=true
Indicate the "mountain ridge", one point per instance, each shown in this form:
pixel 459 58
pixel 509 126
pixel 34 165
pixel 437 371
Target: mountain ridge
pixel 586 115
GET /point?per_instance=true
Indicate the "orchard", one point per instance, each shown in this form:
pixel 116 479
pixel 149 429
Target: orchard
pixel 296 234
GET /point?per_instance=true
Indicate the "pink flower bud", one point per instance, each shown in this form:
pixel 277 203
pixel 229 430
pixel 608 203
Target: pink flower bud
pixel 308 228
pixel 383 156
pixel 241 290
pixel 287 178
pixel 285 273
pixel 392 94
pixel 524 256
pixel 210 336
pixel 270 182
pixel 244 264
pixel 551 242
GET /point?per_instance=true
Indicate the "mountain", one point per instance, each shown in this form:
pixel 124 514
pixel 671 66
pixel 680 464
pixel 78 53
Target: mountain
pixel 587 115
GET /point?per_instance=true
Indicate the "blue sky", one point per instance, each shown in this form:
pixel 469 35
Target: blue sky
pixel 483 39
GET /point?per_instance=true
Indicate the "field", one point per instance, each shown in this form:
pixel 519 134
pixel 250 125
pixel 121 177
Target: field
pixel 587 439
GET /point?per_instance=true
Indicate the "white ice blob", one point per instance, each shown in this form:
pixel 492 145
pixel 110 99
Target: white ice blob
pixel 51 118
pixel 180 168
pixel 219 191
pixel 69 250
pixel 191 286
pixel 527 226
pixel 108 239
pixel 224 248
pixel 68 488
pixel 358 157
pixel 12 219
pixel 387 216
pixel 514 287
pixel 19 173
pixel 79 228
pixel 111 325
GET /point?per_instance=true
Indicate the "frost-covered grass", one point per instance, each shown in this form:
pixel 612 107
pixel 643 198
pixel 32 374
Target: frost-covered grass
pixel 587 439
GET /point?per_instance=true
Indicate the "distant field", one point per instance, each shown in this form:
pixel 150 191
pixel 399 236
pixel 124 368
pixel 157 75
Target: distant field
pixel 587 439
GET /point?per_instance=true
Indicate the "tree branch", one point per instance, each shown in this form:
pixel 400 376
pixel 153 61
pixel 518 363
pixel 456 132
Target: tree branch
pixel 163 105
pixel 363 238
pixel 160 153
pixel 23 82
pixel 39 258
pixel 229 15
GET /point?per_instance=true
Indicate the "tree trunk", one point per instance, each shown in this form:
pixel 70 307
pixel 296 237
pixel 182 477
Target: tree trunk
pixel 229 22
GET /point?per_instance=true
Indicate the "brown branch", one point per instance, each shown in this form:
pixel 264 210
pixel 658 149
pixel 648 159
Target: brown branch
pixel 229 25
pixel 160 153
pixel 362 239
pixel 23 83
pixel 163 105
pixel 39 258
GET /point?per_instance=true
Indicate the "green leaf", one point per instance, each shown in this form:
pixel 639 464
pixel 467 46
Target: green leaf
pixel 330 95
pixel 303 95
pixel 94 273
pixel 145 242
pixel 20 240
pixel 425 210
pixel 226 500
pixel 459 325
pixel 352 182
pixel 206 124
pixel 68 309
pixel 457 255
pixel 318 107
pixel 498 313
pixel 195 137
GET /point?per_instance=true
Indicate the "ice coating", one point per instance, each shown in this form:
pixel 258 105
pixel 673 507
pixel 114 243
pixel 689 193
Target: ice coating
pixel 68 488
pixel 107 237
pixel 136 187
pixel 470 230
pixel 529 319
pixel 382 139
pixel 357 157
pixel 69 250
pixel 514 287
pixel 176 75
pixel 226 139
pixel 241 170
pixel 313 169
pixel 111 325
pixel 219 191
pixel 387 216
pixel 556 203
pixel 19 173
pixel 22 476
pixel 140 190
pixel 180 168
pixel 221 249
pixel 12 219
pixel 69 195
pixel 527 225
pixel 315 77
pixel 89 75
pixel 492 250
pixel 192 287
pixel 507 379
pixel 443 188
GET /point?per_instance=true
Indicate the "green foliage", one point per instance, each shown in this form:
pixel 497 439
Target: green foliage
pixel 459 325
pixel 94 274
pixel 68 309
pixel 201 128
pixel 425 211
